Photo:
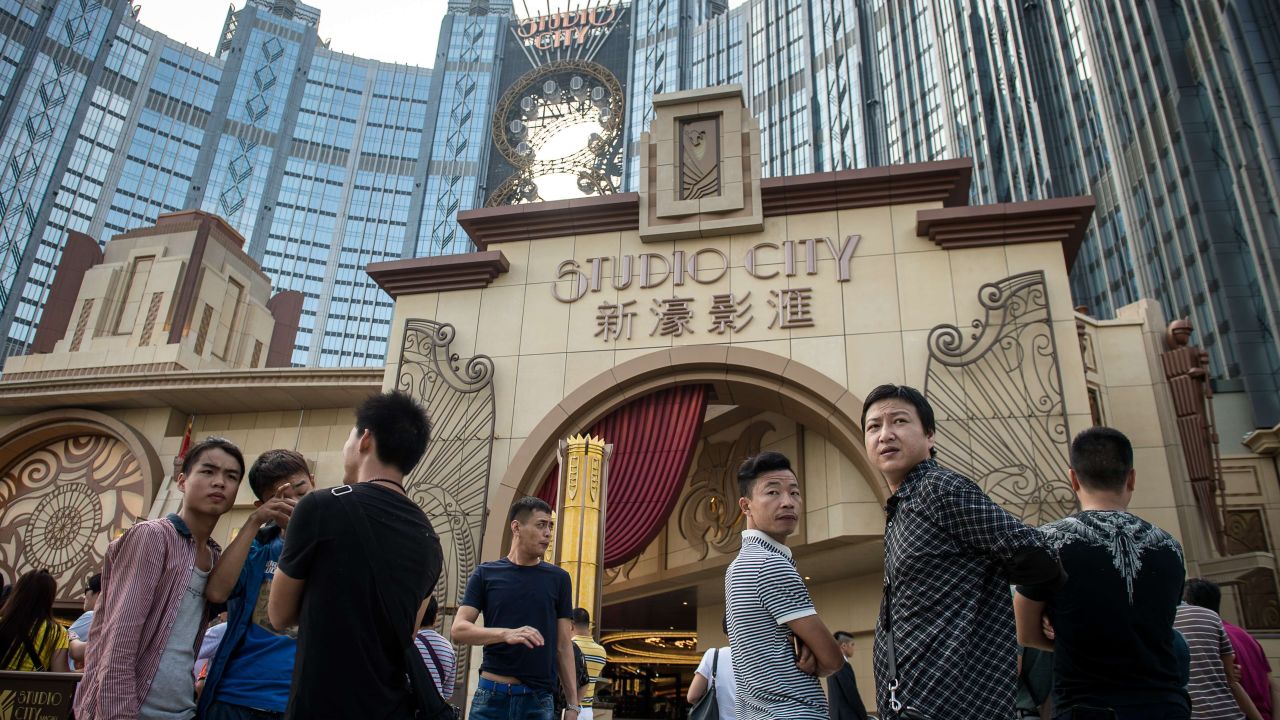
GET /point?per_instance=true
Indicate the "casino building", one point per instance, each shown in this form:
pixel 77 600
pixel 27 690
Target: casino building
pixel 619 354
pixel 324 162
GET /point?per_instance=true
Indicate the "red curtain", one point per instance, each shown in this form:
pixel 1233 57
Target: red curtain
pixel 654 438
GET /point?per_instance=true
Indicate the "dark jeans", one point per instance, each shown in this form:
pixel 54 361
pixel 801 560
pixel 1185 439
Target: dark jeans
pixel 493 705
pixel 1168 711
pixel 223 711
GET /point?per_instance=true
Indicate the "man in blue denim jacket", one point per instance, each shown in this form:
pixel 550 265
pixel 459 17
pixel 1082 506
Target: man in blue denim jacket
pixel 251 673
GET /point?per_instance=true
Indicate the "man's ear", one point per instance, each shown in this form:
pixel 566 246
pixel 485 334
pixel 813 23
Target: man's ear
pixel 743 504
pixel 181 481
pixel 257 503
pixel 1131 481
pixel 1075 481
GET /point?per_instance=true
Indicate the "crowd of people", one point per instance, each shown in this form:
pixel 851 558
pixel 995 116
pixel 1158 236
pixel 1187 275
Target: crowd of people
pixel 328 606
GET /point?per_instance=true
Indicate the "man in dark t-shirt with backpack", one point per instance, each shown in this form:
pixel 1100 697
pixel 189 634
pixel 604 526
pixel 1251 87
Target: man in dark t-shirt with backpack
pixel 358 564
pixel 528 634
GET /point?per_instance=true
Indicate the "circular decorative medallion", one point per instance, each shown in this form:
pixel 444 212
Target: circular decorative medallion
pixel 62 502
pixel 61 527
pixel 559 125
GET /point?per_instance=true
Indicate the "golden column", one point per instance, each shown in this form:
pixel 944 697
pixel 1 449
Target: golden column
pixel 579 542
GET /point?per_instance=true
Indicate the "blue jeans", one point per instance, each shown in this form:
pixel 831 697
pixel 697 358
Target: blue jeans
pixel 490 705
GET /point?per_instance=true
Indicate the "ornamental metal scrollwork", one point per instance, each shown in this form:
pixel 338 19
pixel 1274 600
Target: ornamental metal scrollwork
pixel 534 116
pixel 61 504
pixel 997 391
pixel 708 513
pixel 451 483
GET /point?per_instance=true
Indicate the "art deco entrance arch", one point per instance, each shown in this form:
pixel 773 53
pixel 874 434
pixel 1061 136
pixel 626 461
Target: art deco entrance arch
pixel 71 480
pixel 740 376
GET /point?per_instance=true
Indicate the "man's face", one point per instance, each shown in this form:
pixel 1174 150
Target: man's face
pixel 90 599
pixel 774 505
pixel 296 486
pixel 293 488
pixel 846 647
pixel 534 534
pixel 210 487
pixel 895 438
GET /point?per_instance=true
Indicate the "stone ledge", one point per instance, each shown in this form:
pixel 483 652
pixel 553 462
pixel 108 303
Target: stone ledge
pixel 945 181
pixel 438 274
pixel 1062 220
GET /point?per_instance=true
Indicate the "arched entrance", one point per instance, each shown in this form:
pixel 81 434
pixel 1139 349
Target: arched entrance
pixel 71 481
pixel 663 607
pixel 739 376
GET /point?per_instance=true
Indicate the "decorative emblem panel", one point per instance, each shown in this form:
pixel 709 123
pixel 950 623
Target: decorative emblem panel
pixel 62 503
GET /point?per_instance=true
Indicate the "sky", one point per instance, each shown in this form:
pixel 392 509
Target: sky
pixel 403 31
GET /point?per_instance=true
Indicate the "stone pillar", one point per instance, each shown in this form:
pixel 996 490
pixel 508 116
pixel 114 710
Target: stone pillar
pixel 579 541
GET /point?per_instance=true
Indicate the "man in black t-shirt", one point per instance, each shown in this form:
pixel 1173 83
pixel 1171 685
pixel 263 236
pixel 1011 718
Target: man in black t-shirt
pixel 1113 643
pixel 528 615
pixel 358 564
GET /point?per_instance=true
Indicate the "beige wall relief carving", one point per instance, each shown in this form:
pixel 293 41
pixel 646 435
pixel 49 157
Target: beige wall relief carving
pixel 699 157
pixel 708 513
pixel 62 500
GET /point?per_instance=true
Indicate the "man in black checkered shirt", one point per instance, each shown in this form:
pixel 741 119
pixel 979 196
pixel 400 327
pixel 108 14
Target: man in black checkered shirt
pixel 950 556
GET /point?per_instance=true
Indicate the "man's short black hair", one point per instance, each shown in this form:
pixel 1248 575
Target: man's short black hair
pixel 1204 593
pixel 755 466
pixel 1102 458
pixel 526 506
pixel 211 443
pixel 399 426
pixel 274 467
pixel 581 617
pixel 433 610
pixel 94 584
pixel 909 394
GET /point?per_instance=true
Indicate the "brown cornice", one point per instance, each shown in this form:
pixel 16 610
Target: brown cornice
pixel 438 274
pixel 201 392
pixel 945 181
pixel 1062 220
pixel 510 223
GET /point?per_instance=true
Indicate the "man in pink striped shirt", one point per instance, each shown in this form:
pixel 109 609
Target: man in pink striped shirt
pixel 152 612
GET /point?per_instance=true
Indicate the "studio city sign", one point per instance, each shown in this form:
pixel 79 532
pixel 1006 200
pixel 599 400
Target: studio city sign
pixel 703 266
pixel 563 29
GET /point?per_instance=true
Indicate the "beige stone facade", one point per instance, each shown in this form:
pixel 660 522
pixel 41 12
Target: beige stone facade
pixel 789 298
pixel 169 332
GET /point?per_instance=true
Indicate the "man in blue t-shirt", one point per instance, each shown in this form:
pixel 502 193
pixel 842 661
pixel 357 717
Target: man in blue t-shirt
pixel 251 673
pixel 528 634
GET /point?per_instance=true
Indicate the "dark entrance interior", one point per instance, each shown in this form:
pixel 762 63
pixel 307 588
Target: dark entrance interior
pixel 652 646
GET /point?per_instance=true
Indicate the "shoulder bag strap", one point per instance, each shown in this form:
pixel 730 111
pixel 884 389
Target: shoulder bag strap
pixel 357 516
pixel 435 659
pixel 30 649
pixel 715 660
pixel 890 655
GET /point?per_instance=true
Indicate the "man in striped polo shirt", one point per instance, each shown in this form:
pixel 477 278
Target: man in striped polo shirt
pixel 1214 687
pixel 593 655
pixel 780 646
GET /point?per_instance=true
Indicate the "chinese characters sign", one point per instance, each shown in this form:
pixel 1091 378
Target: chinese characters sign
pixel 727 313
